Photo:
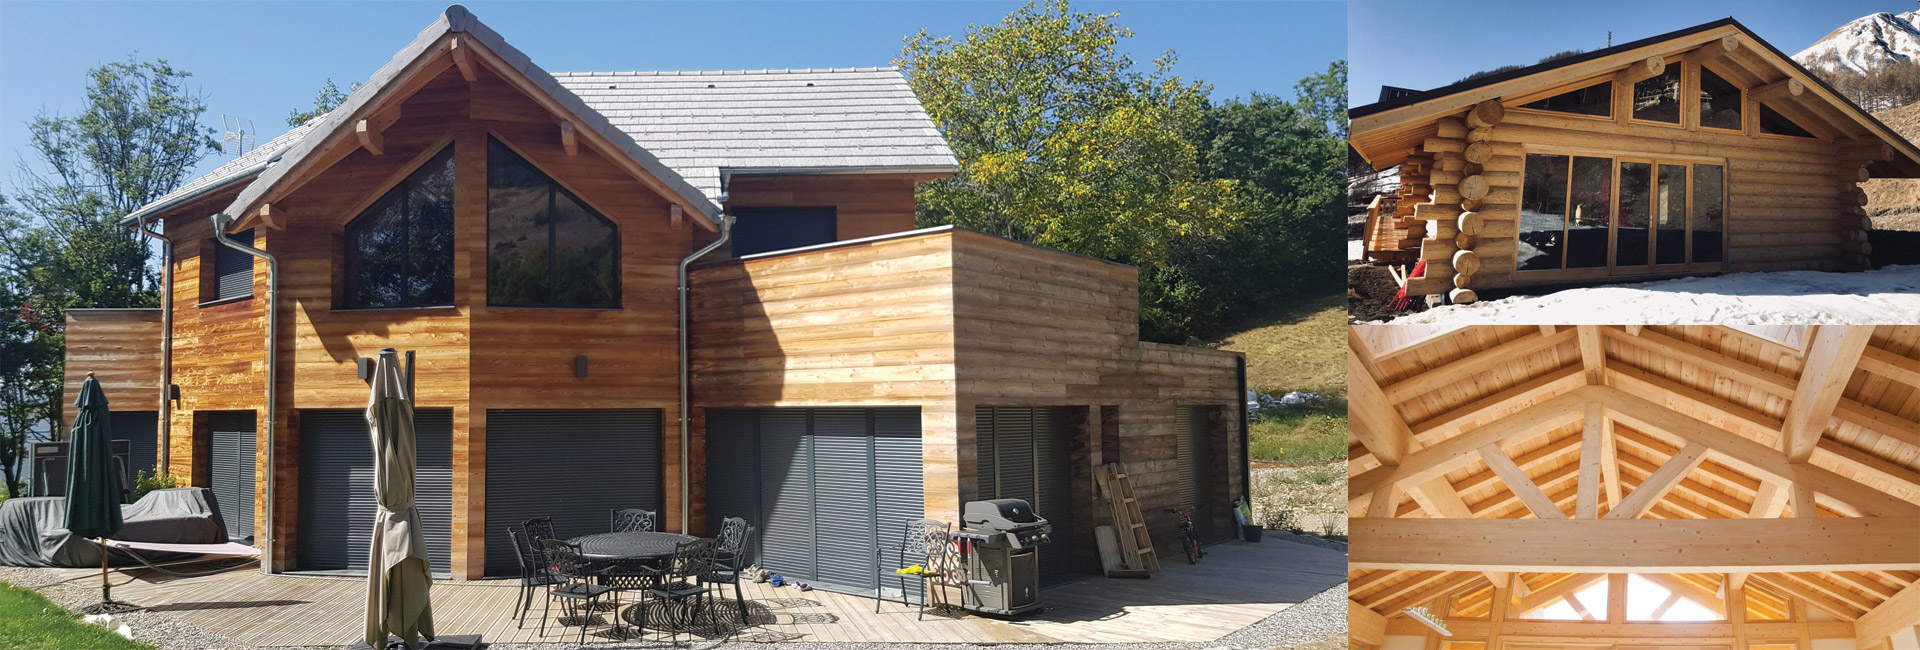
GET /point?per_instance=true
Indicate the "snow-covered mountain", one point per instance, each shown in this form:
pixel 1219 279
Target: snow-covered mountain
pixel 1866 43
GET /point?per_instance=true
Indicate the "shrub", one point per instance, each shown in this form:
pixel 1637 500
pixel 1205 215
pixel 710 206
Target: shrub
pixel 150 480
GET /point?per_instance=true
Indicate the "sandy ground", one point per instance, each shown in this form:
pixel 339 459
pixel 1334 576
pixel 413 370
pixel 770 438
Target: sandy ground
pixel 1887 296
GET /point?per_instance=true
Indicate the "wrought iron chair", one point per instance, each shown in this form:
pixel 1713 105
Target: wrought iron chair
pixel 538 528
pixel 922 542
pixel 632 520
pixel 535 573
pixel 730 557
pixel 678 584
pixel 579 582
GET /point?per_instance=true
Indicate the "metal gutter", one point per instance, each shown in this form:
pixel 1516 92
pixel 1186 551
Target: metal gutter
pixel 839 171
pixel 686 378
pixel 166 344
pixel 154 209
pixel 220 223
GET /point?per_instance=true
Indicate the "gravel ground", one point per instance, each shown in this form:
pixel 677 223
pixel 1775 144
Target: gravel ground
pixel 1307 625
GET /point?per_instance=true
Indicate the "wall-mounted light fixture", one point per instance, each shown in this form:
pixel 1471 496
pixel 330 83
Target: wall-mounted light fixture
pixel 173 393
pixel 365 368
pixel 580 366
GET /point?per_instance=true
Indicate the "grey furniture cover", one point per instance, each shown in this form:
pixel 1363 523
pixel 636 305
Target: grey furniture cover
pixel 33 529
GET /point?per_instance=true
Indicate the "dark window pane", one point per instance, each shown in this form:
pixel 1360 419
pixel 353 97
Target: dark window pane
pixel 1772 122
pixel 761 230
pixel 1670 206
pixel 545 248
pixel 1719 101
pixel 1596 99
pixel 1709 212
pixel 1590 208
pixel 1658 99
pixel 1636 204
pixel 1543 213
pixel 400 249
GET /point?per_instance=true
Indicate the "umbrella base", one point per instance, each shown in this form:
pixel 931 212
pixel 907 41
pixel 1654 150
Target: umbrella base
pixel 109 607
pixel 443 642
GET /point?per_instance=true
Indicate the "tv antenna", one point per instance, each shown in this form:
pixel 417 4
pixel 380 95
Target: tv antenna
pixel 239 137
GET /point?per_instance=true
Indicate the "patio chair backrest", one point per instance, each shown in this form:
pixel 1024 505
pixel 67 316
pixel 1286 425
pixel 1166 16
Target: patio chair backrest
pixel 922 541
pixel 693 559
pixel 533 563
pixel 632 520
pixel 733 536
pixel 563 559
pixel 538 528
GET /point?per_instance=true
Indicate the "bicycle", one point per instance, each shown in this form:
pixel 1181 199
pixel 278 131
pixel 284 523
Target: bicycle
pixel 1189 537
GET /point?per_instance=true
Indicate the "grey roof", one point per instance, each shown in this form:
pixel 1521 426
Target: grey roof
pixel 684 128
pixel 765 121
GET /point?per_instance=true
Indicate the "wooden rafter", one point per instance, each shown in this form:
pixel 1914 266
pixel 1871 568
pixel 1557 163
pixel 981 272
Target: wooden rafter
pixel 1445 375
pixel 1755 376
pixel 1378 426
pixel 1517 481
pixel 1830 362
pixel 1592 434
pixel 1658 546
pixel 1660 483
pixel 1455 452
pixel 1593 353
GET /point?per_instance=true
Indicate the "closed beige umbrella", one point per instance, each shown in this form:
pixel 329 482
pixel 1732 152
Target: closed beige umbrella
pixel 397 572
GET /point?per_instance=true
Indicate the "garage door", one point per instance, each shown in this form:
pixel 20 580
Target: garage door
pixel 141 431
pixel 573 466
pixel 231 452
pixel 1022 454
pixel 337 506
pixel 826 487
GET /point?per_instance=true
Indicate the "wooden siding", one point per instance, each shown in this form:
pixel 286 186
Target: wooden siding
pixel 121 347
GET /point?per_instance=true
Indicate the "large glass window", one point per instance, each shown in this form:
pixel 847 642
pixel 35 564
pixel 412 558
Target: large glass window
pixel 1657 99
pixel 1596 99
pixel 545 247
pixel 1636 206
pixel 400 249
pixel 1773 123
pixel 1589 212
pixel 1719 101
pixel 1709 211
pixel 1670 206
pixel 1543 213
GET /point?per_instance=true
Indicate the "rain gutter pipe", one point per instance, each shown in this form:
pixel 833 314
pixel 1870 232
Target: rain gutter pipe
pixel 686 388
pixel 166 343
pixel 220 223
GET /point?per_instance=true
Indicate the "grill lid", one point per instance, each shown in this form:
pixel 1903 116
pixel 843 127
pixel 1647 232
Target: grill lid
pixel 1000 515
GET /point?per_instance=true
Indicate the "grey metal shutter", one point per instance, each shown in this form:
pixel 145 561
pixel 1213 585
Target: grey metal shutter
pixel 141 430
pixel 843 504
pixel 231 434
pixel 1185 452
pixel 1022 454
pixel 337 505
pixel 571 465
pixel 759 230
pixel 232 269
pixel 786 492
pixel 899 473
pixel 733 468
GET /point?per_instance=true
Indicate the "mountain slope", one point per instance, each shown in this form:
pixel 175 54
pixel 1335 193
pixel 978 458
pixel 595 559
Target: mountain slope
pixel 1867 43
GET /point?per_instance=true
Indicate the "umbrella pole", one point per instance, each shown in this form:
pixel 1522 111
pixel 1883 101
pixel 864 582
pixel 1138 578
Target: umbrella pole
pixel 106 588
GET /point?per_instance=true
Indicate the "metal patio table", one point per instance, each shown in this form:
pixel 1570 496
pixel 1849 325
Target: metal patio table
pixel 629 548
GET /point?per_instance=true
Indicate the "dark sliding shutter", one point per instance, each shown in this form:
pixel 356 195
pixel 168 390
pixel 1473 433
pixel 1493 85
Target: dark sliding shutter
pixel 573 465
pixel 232 269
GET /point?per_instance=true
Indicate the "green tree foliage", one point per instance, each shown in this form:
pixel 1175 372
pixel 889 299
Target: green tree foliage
pixel 61 245
pixel 1063 141
pixel 328 99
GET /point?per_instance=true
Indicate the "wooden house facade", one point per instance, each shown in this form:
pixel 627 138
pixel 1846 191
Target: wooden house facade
pixel 1661 487
pixel 522 232
pixel 1701 151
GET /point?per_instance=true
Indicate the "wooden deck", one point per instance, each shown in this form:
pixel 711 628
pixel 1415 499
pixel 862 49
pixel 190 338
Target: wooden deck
pixel 1236 585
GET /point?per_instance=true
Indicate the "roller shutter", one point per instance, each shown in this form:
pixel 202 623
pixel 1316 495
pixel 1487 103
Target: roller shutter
pixel 337 505
pixel 232 268
pixel 1195 461
pixel 826 487
pixel 572 465
pixel 141 431
pixel 231 438
pixel 1022 454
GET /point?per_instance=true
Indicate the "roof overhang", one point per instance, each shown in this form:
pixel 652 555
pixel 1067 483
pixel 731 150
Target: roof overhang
pixel 1421 108
pixel 457 38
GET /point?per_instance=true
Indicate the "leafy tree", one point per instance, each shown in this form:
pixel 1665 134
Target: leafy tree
pixel 1324 97
pixel 1062 141
pixel 62 247
pixel 329 98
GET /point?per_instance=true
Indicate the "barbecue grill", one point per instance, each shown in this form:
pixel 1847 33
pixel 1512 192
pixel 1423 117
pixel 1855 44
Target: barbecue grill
pixel 1001 541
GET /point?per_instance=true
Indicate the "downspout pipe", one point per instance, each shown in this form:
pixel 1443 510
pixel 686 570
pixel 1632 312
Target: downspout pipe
pixel 686 383
pixel 220 223
pixel 166 343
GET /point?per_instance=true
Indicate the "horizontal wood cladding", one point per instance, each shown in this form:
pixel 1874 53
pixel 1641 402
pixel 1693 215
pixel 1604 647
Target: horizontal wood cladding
pixel 121 347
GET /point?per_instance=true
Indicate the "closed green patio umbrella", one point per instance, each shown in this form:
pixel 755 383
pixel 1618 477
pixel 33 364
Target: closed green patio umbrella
pixel 397 573
pixel 93 488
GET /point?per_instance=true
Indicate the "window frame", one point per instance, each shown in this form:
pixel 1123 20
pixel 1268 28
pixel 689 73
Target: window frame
pixel 1678 65
pixel 1613 85
pixel 210 269
pixel 413 166
pixel 554 182
pixel 1812 135
pixel 1699 82
pixel 1613 268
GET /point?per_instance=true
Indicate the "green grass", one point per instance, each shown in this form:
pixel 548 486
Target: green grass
pixel 28 621
pixel 1297 346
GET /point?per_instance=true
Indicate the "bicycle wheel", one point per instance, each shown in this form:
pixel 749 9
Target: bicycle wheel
pixel 1192 547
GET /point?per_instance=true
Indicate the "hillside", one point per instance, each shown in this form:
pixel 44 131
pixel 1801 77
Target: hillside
pixel 1865 44
pixel 1300 346
pixel 1894 204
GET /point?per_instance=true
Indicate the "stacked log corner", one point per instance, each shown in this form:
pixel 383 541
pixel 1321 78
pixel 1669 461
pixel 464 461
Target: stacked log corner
pixel 1472 201
pixel 1854 225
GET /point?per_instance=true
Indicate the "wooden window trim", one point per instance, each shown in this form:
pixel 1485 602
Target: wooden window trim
pixel 1518 104
pixel 1744 117
pixel 1674 62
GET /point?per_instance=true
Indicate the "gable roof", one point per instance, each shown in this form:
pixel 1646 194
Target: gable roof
pixel 1460 95
pixel 704 123
pixel 684 128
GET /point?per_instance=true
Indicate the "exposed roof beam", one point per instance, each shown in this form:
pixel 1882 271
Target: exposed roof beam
pixel 1662 482
pixel 1568 586
pixel 1453 582
pixel 1878 421
pixel 1447 424
pixel 1636 545
pixel 1896 614
pixel 1379 427
pixel 1445 375
pixel 1781 89
pixel 1873 466
pixel 1653 66
pixel 1458 451
pixel 1593 354
pixel 1755 376
pixel 370 137
pixel 1517 481
pixel 462 52
pixel 1890 365
pixel 1592 433
pixel 1836 349
pixel 1672 394
pixel 1365 625
pixel 1787 584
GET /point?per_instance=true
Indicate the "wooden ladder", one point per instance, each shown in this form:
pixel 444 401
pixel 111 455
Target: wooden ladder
pixel 1136 548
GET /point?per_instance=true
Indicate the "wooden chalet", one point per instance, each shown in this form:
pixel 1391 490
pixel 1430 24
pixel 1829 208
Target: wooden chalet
pixel 522 232
pixel 1635 487
pixel 1701 151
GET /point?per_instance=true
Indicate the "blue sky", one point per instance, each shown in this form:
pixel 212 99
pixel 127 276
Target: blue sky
pixel 1446 41
pixel 262 59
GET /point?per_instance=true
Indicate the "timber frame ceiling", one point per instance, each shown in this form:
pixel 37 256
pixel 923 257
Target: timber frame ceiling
pixel 1652 450
pixel 1385 133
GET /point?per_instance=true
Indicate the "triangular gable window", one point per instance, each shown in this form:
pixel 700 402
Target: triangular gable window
pixel 1773 123
pixel 1596 99
pixel 400 249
